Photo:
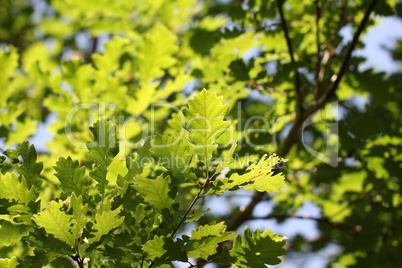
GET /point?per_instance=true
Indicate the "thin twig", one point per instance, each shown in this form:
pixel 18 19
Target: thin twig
pixel 188 210
pixel 299 99
pixel 350 109
pixel 198 196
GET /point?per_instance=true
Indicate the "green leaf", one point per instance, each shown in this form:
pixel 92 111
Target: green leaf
pixel 109 61
pixel 162 249
pixel 239 70
pixel 153 55
pixel 28 168
pixel 136 164
pixel 102 151
pixel 11 233
pixel 104 223
pixel 56 222
pixel 21 213
pixel 226 159
pixel 171 152
pixel 143 98
pixel 196 214
pixel 256 250
pixel 259 177
pixel 204 241
pixel 53 247
pixel 79 214
pixel 71 176
pixel 116 169
pixel 155 247
pixel 24 129
pixel 205 122
pixel 9 263
pixel 39 260
pixel 9 62
pixel 14 189
pixel 155 191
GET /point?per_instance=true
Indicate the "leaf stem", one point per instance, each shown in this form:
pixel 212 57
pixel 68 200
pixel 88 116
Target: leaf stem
pixel 198 196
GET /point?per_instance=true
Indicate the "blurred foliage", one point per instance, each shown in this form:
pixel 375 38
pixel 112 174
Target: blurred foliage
pixel 137 60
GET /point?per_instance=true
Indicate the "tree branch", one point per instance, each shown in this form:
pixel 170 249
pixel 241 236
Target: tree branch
pixel 246 213
pixel 327 55
pixel 324 220
pixel 258 196
pixel 299 99
pixel 294 132
pixel 91 50
pixel 345 63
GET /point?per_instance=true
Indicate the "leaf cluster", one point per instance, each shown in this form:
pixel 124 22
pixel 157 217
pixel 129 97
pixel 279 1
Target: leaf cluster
pixel 133 218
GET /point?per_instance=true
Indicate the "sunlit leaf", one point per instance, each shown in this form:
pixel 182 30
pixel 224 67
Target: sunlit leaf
pixel 56 222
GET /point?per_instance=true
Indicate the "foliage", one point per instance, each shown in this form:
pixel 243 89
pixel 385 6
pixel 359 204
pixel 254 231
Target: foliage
pixel 139 148
pixel 133 221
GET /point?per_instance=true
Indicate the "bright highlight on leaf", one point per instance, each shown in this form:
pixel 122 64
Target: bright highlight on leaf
pixel 259 176
pixel 14 189
pixel 9 263
pixel 56 222
pixel 28 167
pixel 104 223
pixel 204 241
pixel 171 152
pixel 11 233
pixel 155 192
pixel 205 122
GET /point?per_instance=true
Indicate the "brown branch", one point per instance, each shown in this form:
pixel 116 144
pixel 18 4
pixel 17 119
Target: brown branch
pixel 324 220
pixel 294 132
pixel 246 213
pixel 345 63
pixel 327 55
pixel 92 50
pixel 299 98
